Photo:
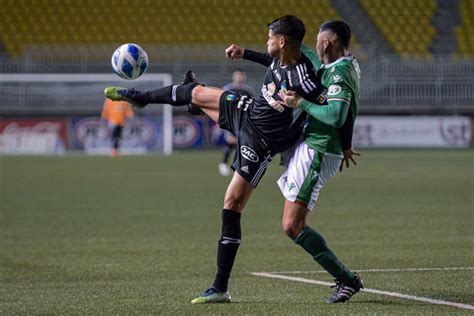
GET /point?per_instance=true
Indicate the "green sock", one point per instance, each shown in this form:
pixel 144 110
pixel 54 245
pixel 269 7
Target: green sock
pixel 314 243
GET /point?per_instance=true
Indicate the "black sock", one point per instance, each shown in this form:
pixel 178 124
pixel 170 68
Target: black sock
pixel 116 143
pixel 174 95
pixel 227 248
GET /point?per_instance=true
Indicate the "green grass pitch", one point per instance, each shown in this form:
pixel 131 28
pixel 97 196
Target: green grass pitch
pixel 96 235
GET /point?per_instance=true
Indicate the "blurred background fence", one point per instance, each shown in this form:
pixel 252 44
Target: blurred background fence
pixel 389 84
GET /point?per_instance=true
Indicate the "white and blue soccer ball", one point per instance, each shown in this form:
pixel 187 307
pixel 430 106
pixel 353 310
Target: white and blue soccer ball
pixel 130 61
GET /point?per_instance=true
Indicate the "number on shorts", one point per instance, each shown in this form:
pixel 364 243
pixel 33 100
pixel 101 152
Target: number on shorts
pixel 244 101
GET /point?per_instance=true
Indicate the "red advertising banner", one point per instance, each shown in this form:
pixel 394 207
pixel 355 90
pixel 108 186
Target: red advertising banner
pixel 33 136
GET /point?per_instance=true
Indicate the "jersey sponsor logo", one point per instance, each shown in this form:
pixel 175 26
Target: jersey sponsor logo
pixel 271 88
pixel 334 89
pixel 248 153
pixel 245 169
pixel 277 106
pixel 336 78
pixel 270 100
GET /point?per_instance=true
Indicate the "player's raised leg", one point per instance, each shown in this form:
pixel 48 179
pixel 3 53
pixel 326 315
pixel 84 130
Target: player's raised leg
pixel 206 98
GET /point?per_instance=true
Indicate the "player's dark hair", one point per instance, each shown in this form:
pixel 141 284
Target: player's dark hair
pixel 341 29
pixel 290 26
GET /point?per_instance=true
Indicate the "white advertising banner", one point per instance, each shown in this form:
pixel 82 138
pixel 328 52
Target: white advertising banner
pixel 33 136
pixel 412 132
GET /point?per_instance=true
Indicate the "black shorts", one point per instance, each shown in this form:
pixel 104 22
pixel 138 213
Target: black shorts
pixel 253 153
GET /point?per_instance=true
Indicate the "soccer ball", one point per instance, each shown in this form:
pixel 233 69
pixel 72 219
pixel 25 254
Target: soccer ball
pixel 129 61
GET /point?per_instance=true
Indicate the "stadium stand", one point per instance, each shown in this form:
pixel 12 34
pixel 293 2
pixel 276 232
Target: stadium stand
pixel 79 36
pixel 465 32
pixel 406 24
pixel 446 17
pixel 369 36
pixel 46 22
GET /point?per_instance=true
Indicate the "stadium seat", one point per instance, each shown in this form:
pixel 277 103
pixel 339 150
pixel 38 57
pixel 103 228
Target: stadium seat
pixel 465 31
pixel 406 24
pixel 44 22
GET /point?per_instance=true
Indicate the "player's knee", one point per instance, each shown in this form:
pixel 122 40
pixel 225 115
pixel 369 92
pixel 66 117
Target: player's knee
pixel 292 227
pixel 200 95
pixel 197 91
pixel 205 97
pixel 234 203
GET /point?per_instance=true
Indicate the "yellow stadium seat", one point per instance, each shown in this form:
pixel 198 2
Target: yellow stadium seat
pixel 465 31
pixel 404 21
pixel 152 21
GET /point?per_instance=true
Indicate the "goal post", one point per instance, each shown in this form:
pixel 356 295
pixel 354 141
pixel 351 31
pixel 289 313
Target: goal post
pixel 75 95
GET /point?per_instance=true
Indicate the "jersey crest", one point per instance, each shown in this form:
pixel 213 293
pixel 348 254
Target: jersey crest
pixel 334 89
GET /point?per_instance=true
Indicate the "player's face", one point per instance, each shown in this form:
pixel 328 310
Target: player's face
pixel 322 43
pixel 273 44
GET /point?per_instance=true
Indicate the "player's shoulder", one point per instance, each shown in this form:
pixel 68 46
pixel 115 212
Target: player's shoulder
pixel 275 63
pixel 343 64
pixel 304 67
pixel 342 69
pixel 306 60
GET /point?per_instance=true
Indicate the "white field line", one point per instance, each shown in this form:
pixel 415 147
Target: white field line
pixel 380 270
pixel 386 293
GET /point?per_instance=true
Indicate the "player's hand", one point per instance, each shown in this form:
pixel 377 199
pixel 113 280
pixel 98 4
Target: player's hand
pixel 234 52
pixel 348 156
pixel 290 98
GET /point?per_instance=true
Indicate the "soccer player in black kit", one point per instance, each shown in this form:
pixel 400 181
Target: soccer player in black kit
pixel 264 127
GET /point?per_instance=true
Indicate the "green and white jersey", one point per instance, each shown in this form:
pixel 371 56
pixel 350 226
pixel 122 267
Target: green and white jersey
pixel 342 79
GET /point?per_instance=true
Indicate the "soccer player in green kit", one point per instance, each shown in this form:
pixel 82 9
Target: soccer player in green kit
pixel 318 158
pixel 327 141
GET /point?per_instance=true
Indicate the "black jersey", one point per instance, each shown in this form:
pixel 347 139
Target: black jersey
pixel 282 126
